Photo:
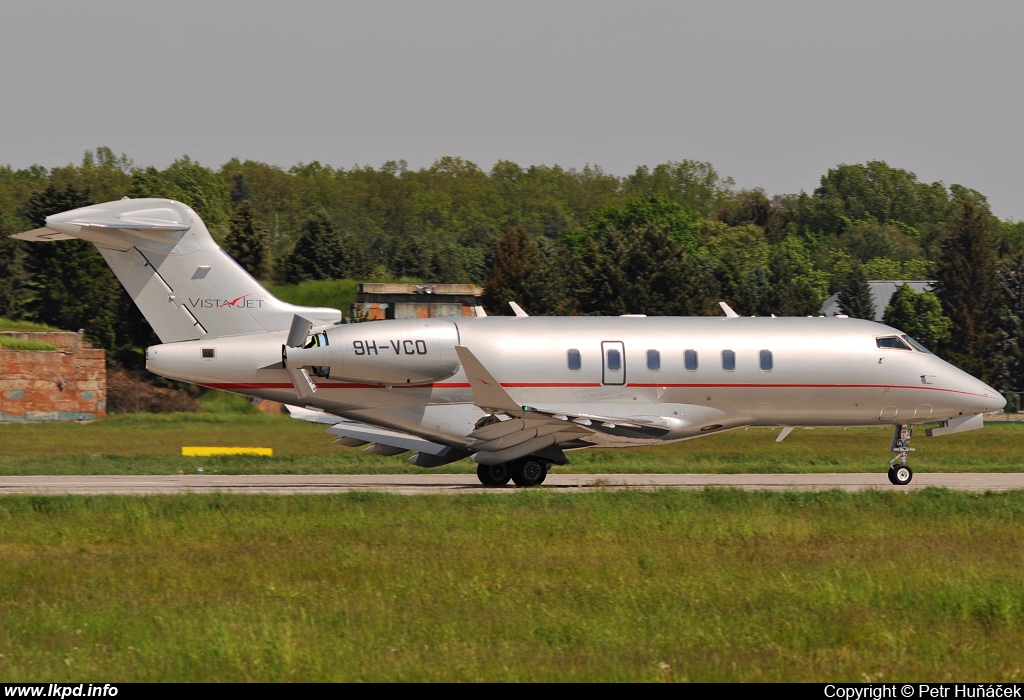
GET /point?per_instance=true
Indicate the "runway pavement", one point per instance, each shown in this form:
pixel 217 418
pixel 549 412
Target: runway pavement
pixel 467 483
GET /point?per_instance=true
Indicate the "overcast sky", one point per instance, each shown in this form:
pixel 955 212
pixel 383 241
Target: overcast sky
pixel 771 93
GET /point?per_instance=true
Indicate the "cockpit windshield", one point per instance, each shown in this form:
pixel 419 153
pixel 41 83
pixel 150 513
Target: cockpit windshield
pixel 891 342
pixel 917 345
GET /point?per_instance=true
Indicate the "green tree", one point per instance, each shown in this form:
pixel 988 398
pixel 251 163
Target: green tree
pixel 876 192
pixel 13 278
pixel 413 258
pixel 520 274
pixel 246 241
pixel 642 271
pixel 919 315
pixel 789 293
pixel 71 286
pixel 190 183
pixel 967 285
pixel 1011 322
pixel 693 185
pixel 322 253
pixel 855 295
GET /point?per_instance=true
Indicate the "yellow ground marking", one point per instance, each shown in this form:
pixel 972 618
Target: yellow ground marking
pixel 219 451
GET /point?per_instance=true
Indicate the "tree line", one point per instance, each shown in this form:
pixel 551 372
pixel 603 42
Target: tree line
pixel 672 239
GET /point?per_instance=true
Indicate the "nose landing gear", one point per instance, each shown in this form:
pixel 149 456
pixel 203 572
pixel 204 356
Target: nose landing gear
pixel 900 474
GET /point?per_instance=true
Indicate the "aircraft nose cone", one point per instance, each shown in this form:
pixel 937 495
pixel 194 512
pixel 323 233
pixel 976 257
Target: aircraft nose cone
pixel 989 399
pixel 1000 403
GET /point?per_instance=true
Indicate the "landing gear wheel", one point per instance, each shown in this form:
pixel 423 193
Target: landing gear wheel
pixel 493 474
pixel 900 474
pixel 529 471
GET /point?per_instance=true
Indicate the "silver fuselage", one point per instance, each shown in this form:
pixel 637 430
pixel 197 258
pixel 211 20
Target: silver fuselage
pixel 824 372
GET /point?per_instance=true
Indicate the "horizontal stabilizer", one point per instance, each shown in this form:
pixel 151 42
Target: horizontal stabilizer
pixel 41 235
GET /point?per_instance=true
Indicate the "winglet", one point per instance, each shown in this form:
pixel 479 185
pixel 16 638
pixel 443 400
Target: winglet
pixel 517 309
pixel 728 310
pixel 488 393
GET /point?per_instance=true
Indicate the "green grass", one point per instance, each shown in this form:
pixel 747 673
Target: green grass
pixel 335 294
pixel 224 402
pixel 151 444
pixel 9 343
pixel 7 324
pixel 719 585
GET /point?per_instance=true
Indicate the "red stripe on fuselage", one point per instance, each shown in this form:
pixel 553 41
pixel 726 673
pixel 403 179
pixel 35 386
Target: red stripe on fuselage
pixel 546 385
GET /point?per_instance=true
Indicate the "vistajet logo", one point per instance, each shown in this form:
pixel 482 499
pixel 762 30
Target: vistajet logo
pixel 242 302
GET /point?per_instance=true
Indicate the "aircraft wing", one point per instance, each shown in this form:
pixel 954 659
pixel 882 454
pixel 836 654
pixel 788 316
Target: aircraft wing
pixel 381 440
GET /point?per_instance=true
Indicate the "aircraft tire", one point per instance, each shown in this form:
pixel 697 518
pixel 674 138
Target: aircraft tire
pixel 900 475
pixel 493 474
pixel 529 471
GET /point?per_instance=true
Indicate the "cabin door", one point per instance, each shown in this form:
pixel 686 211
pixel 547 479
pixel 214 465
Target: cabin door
pixel 614 370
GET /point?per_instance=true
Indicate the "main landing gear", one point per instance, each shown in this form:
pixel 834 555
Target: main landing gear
pixel 900 474
pixel 528 471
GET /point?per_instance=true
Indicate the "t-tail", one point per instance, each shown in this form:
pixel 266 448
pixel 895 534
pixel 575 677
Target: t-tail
pixel 186 286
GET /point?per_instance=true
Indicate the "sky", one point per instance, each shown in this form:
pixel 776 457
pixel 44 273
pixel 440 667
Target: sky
pixel 772 94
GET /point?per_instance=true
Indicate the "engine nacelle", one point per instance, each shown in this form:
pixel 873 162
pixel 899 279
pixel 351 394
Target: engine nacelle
pixel 407 352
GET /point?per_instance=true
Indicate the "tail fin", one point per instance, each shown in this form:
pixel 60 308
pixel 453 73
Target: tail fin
pixel 186 286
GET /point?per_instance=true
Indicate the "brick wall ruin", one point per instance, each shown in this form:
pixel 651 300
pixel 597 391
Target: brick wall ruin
pixel 67 384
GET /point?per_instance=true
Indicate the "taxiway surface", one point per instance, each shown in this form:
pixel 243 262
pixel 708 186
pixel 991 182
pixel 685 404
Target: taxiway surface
pixel 468 483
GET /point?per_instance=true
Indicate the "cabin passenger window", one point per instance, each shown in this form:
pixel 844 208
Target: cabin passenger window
pixel 573 360
pixel 614 360
pixel 891 342
pixel 690 360
pixel 653 360
pixel 766 360
pixel 728 360
pixel 209 353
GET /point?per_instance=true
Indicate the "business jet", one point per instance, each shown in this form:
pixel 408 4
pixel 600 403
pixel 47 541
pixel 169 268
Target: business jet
pixel 513 394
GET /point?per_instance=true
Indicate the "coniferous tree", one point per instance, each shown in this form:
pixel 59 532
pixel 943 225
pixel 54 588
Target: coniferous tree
pixel 662 278
pixel 1011 326
pixel 246 241
pixel 855 295
pixel 317 253
pixel 413 258
pixel 601 290
pixel 520 274
pixel 787 295
pixel 919 315
pixel 71 286
pixel 753 294
pixel 352 261
pixel 13 278
pixel 967 285
pixel 240 190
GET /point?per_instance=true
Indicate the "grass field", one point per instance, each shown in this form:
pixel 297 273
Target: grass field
pixel 151 444
pixel 666 585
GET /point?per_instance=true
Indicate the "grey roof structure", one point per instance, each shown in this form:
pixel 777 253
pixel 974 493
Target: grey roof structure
pixel 881 292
